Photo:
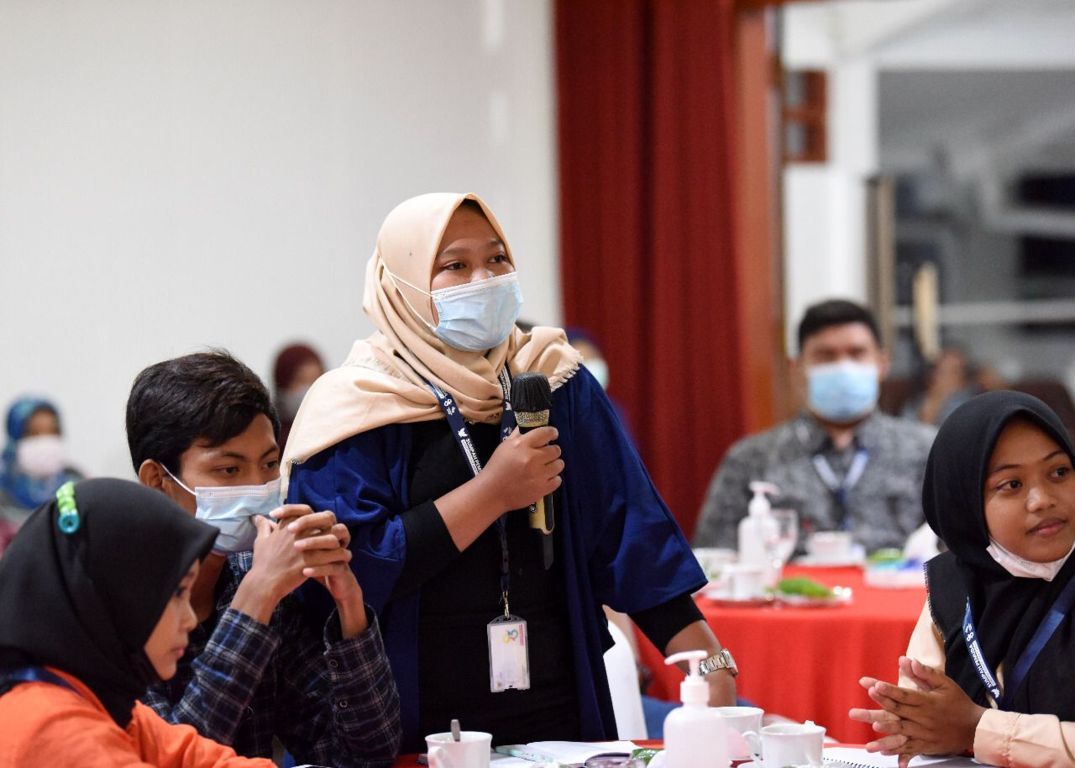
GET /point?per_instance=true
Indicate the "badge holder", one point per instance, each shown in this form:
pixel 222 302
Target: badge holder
pixel 509 657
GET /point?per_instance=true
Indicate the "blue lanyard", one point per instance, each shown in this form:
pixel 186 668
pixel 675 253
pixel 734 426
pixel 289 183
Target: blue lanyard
pixel 9 678
pixel 840 490
pixel 466 444
pixel 1059 610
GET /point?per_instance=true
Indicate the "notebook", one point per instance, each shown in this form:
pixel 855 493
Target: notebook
pixel 567 753
pixel 849 757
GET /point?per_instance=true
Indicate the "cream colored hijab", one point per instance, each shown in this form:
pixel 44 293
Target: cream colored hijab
pixel 383 380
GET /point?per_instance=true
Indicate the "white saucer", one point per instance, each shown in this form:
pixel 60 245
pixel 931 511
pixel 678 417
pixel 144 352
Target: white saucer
pixel 839 596
pixel 847 561
pixel 719 597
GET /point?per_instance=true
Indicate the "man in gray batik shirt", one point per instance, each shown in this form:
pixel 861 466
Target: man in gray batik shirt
pixel 840 463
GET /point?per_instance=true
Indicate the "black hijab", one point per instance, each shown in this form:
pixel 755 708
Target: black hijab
pixel 87 601
pixel 1006 609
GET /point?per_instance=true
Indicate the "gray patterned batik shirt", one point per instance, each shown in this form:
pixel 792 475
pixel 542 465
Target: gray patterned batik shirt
pixel 882 508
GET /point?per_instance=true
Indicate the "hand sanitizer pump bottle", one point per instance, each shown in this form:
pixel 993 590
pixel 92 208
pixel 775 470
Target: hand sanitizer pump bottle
pixel 759 532
pixel 694 733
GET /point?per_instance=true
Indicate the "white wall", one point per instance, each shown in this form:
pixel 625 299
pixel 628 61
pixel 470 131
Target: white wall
pixel 183 173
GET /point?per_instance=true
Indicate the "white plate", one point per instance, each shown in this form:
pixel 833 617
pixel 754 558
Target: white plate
pixel 840 596
pixel 895 578
pixel 723 599
pixel 847 561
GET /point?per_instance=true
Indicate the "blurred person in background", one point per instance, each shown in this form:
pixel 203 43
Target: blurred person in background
pixel 949 382
pixel 297 366
pixel 34 463
pixel 840 463
pixel 592 357
pixel 594 361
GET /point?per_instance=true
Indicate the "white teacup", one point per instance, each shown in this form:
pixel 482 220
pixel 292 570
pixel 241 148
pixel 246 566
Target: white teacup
pixel 714 560
pixel 782 744
pixel 829 546
pixel 737 721
pixel 746 582
pixel 471 751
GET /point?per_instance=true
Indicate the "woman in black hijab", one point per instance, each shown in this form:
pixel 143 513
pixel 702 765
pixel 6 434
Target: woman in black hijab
pixel 95 605
pixel 990 666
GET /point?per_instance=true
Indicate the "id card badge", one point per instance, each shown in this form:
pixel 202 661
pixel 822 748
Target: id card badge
pixel 509 659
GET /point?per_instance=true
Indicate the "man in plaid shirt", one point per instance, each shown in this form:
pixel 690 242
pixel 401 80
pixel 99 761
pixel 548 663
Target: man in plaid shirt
pixel 202 429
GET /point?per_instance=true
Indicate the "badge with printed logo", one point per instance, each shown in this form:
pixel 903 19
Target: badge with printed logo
pixel 509 662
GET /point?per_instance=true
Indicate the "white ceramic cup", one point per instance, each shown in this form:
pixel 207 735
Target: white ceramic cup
pixel 737 721
pixel 746 581
pixel 714 560
pixel 783 744
pixel 471 751
pixel 829 546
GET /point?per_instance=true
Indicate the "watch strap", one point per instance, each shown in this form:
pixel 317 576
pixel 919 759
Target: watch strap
pixel 720 660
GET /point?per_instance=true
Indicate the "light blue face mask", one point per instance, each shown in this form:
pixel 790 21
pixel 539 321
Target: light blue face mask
pixel 474 316
pixel 231 510
pixel 599 368
pixel 842 392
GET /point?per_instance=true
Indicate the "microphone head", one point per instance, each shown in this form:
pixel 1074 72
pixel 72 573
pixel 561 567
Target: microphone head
pixel 530 392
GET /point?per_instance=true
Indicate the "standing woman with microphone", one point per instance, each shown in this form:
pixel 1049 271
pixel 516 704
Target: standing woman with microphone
pixel 413 444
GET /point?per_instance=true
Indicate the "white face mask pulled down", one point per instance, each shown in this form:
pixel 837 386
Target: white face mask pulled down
pixel 1022 568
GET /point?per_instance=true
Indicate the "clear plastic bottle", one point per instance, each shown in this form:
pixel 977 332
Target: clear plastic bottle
pixel 694 734
pixel 759 533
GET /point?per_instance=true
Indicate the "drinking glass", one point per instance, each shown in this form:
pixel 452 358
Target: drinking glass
pixel 787 534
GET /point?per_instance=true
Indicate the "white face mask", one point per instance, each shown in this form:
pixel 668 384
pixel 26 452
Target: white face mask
pixel 231 510
pixel 599 368
pixel 1022 568
pixel 290 400
pixel 474 316
pixel 41 456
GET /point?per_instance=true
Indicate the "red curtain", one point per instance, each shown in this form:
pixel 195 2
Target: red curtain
pixel 646 99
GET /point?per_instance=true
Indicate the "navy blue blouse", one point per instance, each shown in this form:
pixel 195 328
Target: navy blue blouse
pixel 619 544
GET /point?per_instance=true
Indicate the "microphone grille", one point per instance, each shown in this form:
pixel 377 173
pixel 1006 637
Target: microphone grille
pixel 530 392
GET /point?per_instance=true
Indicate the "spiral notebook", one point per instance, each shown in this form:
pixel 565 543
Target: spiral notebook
pixel 849 757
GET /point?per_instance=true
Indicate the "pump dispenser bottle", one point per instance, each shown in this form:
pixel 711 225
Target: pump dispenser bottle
pixel 759 532
pixel 694 733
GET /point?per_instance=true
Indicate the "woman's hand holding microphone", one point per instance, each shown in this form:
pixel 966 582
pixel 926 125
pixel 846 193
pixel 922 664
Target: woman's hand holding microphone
pixel 522 469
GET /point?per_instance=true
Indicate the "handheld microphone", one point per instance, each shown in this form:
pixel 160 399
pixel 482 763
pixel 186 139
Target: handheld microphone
pixel 531 400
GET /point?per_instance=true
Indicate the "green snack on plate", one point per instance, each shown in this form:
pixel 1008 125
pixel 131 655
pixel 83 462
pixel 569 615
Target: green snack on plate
pixel 886 555
pixel 644 754
pixel 803 586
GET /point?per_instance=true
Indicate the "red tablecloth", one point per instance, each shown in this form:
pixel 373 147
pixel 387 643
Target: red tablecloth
pixel 805 663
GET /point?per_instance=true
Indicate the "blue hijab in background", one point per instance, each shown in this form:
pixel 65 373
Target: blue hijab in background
pixel 22 489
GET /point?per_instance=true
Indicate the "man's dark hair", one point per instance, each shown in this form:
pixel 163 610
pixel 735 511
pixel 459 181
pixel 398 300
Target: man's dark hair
pixel 207 396
pixel 835 312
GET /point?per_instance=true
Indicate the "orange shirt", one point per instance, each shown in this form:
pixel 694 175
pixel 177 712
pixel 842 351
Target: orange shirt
pixel 46 725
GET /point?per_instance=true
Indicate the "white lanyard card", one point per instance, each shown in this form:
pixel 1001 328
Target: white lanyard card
pixel 509 658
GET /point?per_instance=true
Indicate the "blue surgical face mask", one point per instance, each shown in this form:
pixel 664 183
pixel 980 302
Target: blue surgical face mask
pixel 475 316
pixel 231 510
pixel 842 392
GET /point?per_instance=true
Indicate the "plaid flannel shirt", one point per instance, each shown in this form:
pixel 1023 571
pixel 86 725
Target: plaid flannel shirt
pixel 328 700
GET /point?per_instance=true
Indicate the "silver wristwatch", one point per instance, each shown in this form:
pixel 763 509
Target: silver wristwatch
pixel 722 660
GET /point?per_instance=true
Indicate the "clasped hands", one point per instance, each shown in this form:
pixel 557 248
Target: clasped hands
pixel 299 544
pixel 934 718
